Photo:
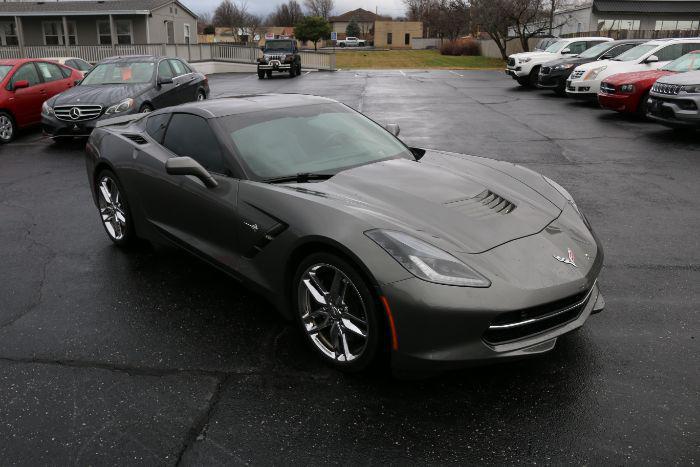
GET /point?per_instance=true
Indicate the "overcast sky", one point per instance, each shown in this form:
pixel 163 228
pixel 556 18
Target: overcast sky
pixel 264 7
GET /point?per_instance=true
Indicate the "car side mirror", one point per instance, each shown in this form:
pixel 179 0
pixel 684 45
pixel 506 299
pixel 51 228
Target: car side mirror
pixel 189 166
pixel 21 84
pixel 393 128
pixel 566 51
pixel 651 59
pixel 164 80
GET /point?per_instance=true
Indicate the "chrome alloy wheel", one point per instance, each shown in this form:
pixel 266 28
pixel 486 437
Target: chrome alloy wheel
pixel 6 128
pixel 111 208
pixel 201 96
pixel 333 312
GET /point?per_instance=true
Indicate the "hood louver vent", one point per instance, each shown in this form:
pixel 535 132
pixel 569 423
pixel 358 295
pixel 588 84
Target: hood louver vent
pixel 492 201
pixel 138 139
pixel 484 204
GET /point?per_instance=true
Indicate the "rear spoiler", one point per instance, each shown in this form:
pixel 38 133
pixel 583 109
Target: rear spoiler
pixel 123 120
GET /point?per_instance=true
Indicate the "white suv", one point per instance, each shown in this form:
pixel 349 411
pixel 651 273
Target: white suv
pixel 584 82
pixel 524 67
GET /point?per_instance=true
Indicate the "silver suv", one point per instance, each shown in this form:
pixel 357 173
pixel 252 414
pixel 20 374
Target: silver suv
pixel 674 100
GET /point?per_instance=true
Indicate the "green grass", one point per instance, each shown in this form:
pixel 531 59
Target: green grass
pixel 408 59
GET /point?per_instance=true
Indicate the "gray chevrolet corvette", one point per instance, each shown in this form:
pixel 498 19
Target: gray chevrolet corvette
pixel 374 248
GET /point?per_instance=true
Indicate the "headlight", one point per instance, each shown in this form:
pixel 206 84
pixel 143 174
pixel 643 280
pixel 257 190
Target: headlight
pixel 525 60
pixel 426 261
pixel 123 106
pixel 627 88
pixel 289 58
pixel 46 109
pixel 593 74
pixel 563 66
pixel 692 89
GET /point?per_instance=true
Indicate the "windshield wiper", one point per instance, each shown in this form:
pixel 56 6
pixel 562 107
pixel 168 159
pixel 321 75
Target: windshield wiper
pixel 302 177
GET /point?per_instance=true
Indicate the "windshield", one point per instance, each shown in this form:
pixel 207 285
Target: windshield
pixel 635 52
pixel 595 51
pixel 688 62
pixel 278 46
pixel 121 73
pixel 4 70
pixel 556 47
pixel 319 139
pixel 82 65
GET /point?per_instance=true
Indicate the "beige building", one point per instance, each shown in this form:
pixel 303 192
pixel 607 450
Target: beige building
pixel 396 34
pixel 365 20
pixel 97 22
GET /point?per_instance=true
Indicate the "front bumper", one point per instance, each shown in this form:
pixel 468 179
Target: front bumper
pixel 275 65
pixel 582 89
pixel 552 80
pixel 56 128
pixel 618 102
pixel 669 111
pixel 515 72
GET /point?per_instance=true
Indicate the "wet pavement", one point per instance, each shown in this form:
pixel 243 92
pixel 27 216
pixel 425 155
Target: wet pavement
pixel 152 357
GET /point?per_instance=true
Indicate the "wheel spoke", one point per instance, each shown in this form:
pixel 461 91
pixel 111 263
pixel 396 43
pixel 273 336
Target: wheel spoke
pixel 335 338
pixel 320 327
pixel 106 195
pixel 347 314
pixel 346 350
pixel 318 296
pixel 120 217
pixel 350 326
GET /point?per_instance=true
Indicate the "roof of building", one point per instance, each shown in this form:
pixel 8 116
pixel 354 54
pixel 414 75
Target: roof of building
pixel 39 8
pixel 647 6
pixel 360 15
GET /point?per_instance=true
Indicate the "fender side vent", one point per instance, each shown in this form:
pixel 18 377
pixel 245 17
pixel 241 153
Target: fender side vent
pixel 138 139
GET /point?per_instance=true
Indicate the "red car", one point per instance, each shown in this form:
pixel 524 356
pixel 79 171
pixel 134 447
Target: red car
pixel 629 92
pixel 24 86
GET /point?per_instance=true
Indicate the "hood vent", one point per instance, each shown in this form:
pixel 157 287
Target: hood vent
pixel 484 204
pixel 138 139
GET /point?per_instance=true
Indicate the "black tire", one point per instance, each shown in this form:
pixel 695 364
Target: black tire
pixel 126 234
pixel 643 107
pixel 261 74
pixel 523 80
pixel 357 299
pixel 299 69
pixel 146 108
pixel 342 44
pixel 8 127
pixel 268 73
pixel 533 76
pixel 292 70
pixel 201 95
pixel 560 90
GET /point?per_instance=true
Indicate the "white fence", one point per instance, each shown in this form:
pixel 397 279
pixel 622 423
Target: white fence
pixel 189 52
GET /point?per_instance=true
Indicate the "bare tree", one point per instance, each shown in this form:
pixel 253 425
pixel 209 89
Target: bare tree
pixel 322 8
pixel 232 15
pixel 531 18
pixel 253 24
pixel 286 14
pixel 441 18
pixel 493 17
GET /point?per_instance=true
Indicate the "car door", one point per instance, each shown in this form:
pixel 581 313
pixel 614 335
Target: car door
pixel 27 101
pixel 55 81
pixel 166 94
pixel 184 80
pixel 204 219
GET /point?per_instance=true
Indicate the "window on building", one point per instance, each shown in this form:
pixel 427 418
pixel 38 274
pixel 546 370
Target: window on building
pixel 125 31
pixel 53 33
pixel 389 38
pixel 8 34
pixel 407 39
pixel 675 25
pixel 618 25
pixel 187 34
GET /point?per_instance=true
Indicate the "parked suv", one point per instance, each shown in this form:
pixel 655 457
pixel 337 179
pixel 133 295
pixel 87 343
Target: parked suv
pixel 674 100
pixel 553 75
pixel 585 80
pixel 279 55
pixel 629 92
pixel 525 67
pixel 121 86
pixel 24 86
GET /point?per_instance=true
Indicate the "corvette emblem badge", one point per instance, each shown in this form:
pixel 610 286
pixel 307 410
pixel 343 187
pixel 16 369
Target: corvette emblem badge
pixel 570 260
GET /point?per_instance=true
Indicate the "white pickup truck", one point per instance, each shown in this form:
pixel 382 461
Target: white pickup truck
pixel 350 42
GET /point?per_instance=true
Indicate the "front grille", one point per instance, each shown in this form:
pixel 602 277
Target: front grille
pixel 520 324
pixel 669 89
pixel 545 70
pixel 511 62
pixel 577 74
pixel 607 88
pixel 275 57
pixel 77 113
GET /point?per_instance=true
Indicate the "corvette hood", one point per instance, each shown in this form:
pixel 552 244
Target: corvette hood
pixel 453 200
pixel 99 94
pixel 636 77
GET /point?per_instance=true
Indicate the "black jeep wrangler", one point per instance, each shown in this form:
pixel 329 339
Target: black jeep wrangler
pixel 279 55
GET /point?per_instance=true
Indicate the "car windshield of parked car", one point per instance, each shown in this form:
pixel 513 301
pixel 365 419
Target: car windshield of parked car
pixel 120 73
pixel 595 51
pixel 317 139
pixel 635 53
pixel 688 62
pixel 556 47
pixel 278 46
pixel 4 70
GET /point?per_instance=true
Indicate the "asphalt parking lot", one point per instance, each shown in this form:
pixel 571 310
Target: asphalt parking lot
pixel 151 357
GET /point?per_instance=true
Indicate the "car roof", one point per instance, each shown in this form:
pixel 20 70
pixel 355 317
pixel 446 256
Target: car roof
pixel 132 58
pixel 20 61
pixel 673 40
pixel 588 38
pixel 236 105
pixel 629 41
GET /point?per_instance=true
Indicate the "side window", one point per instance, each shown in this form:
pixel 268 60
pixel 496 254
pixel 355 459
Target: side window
pixel 82 65
pixel 27 72
pixel 49 71
pixel 156 125
pixel 164 70
pixel 190 135
pixel 66 72
pixel 615 51
pixel 178 67
pixel 670 52
pixel 687 48
pixel 577 47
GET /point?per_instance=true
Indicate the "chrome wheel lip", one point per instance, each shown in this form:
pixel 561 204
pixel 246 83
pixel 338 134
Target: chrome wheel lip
pixel 6 128
pixel 201 96
pixel 111 208
pixel 333 313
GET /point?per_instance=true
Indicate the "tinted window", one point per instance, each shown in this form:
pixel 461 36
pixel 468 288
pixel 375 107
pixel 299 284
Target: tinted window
pixel 155 126
pixel 164 70
pixel 27 72
pixel 670 52
pixel 620 49
pixel 49 71
pixel 687 48
pixel 78 64
pixel 4 70
pixel 178 67
pixel 121 73
pixel 190 135
pixel 577 47
pixel 65 71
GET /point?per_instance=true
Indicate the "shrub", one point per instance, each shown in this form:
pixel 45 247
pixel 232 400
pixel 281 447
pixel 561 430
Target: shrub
pixel 460 47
